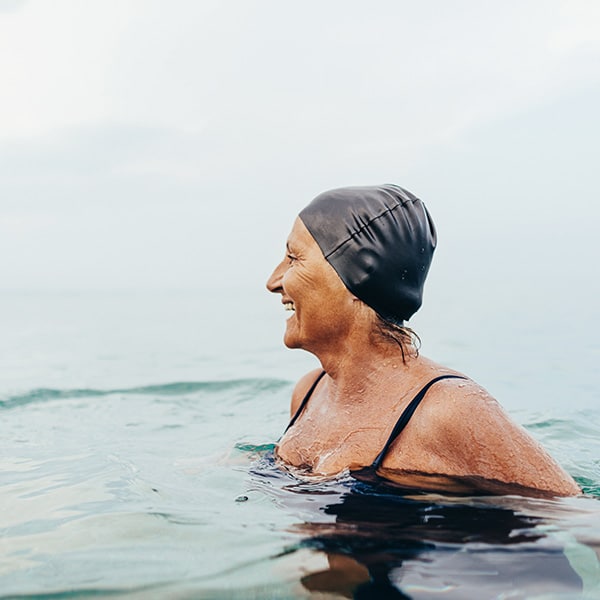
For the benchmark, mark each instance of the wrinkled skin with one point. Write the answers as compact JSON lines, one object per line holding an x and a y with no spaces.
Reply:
{"x":458,"y":440}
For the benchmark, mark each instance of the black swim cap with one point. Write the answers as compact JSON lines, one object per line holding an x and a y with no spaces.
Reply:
{"x":380,"y":240}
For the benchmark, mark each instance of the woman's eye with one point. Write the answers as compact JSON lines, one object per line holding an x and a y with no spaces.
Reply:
{"x":291,"y":257}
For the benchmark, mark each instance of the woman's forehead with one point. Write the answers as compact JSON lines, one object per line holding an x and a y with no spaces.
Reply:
{"x":299,"y":235}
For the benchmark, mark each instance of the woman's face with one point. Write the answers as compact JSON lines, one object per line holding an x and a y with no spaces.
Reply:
{"x":321,"y":306}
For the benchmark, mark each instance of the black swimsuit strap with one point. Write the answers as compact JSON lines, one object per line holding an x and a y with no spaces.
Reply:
{"x":400,"y":424}
{"x":406,"y":415}
{"x":305,"y":399}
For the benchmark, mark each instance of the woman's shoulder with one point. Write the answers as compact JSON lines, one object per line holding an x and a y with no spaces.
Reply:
{"x":302,"y":387}
{"x":456,"y":406}
{"x":454,"y":390}
{"x":464,"y":431}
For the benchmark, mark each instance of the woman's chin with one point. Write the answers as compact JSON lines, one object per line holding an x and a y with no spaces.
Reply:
{"x":290,"y":337}
{"x":291,"y":341}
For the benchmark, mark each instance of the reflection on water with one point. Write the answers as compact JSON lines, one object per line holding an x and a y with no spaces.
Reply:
{"x":131,"y":492}
{"x":382,"y":543}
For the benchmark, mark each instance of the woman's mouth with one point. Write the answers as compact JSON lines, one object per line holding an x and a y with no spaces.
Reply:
{"x":288,"y":306}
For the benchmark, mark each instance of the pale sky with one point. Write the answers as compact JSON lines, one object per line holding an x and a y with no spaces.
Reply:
{"x":147,"y":143}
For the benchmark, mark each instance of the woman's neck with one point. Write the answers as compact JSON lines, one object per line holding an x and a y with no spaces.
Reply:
{"x":365,"y":369}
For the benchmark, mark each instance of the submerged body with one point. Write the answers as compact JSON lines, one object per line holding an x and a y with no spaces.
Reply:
{"x":458,"y":439}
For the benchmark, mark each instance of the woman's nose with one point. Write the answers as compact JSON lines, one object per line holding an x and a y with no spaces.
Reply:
{"x":274,"y":282}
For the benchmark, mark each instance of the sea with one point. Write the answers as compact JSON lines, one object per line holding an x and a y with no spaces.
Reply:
{"x":137,"y":436}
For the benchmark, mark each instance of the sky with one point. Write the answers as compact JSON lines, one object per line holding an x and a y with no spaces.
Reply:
{"x":169,"y":145}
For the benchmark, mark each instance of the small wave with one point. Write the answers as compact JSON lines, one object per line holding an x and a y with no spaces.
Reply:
{"x":581,"y":422}
{"x":181,"y":388}
{"x":258,"y":449}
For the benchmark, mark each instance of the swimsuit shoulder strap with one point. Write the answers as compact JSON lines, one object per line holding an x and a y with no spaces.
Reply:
{"x":406,"y":415}
{"x":305,"y":399}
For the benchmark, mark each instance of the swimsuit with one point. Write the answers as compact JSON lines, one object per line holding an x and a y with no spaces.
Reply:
{"x":398,"y":428}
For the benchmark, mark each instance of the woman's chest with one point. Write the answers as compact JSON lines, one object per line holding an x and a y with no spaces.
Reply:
{"x":328,"y":443}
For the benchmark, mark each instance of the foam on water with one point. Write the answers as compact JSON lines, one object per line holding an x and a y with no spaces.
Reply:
{"x":168,"y":490}
{"x":134,"y":462}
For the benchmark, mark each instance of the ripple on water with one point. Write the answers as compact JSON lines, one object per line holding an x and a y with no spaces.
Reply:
{"x":136,"y":492}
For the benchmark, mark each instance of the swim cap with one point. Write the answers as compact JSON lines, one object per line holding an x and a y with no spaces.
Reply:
{"x":380,"y":240}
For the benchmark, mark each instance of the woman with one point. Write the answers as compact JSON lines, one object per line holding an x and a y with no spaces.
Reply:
{"x":354,"y":271}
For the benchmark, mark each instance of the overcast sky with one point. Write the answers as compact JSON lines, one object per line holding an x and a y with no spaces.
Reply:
{"x":159,"y":144}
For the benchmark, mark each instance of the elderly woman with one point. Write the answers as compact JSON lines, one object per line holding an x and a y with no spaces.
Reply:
{"x":353,"y":272}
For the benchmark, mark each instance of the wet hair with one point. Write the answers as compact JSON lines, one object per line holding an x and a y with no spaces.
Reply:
{"x":407,"y":340}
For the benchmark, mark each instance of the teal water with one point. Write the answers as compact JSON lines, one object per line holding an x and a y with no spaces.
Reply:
{"x":136,"y":436}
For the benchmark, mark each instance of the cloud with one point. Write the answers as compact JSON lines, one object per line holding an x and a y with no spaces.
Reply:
{"x":155,"y":143}
{"x":11,"y":5}
{"x":408,"y":75}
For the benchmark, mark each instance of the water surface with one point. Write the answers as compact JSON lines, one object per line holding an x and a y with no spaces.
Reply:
{"x":137,"y":435}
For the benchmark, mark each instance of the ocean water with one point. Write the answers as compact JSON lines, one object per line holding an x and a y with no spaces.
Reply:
{"x":136,"y":456}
